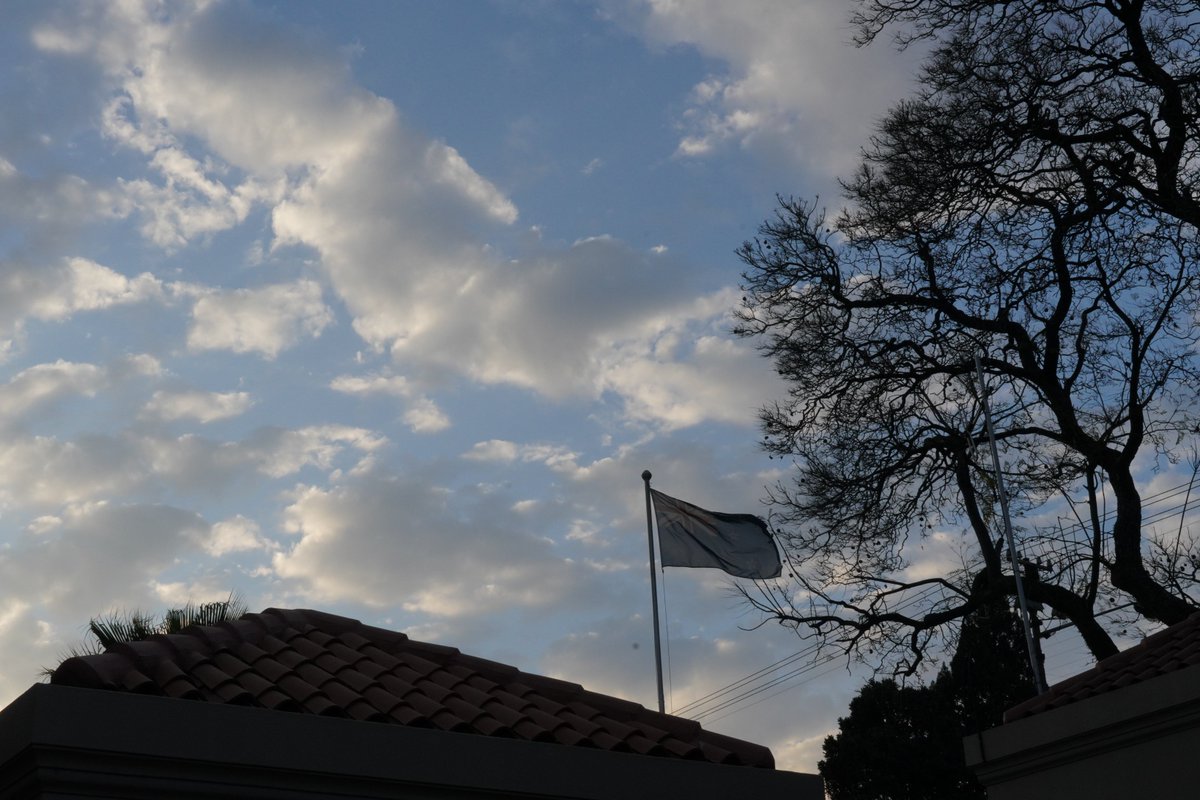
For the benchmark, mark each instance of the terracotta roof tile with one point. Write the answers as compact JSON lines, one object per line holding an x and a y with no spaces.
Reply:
{"x":1171,"y":649}
{"x":318,"y":663}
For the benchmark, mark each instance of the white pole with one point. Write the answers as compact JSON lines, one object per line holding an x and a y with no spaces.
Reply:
{"x":1008,"y":534}
{"x":662,"y":706}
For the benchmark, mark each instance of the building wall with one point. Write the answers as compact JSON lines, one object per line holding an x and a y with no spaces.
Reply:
{"x":1140,"y":742}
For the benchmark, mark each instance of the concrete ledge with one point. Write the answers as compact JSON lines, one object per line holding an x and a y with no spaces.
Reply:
{"x":1133,"y":739}
{"x":71,"y":742}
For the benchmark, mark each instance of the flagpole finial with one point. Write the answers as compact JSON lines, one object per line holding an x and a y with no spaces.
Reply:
{"x":646,"y":475}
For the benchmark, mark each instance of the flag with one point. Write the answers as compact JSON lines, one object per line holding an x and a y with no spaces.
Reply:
{"x":689,"y":536}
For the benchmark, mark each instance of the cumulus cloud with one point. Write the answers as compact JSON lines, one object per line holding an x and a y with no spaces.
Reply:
{"x":422,"y":414}
{"x":392,"y":540}
{"x":196,"y":405}
{"x":265,"y":320}
{"x":400,"y":223}
{"x":47,"y":473}
{"x":59,"y":290}
{"x":37,"y":388}
{"x":234,"y":535}
{"x":794,"y":85}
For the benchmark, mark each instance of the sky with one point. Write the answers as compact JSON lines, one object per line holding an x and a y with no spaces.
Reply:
{"x":381,"y":308}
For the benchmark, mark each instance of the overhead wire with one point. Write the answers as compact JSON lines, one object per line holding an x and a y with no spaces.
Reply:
{"x":706,"y":707}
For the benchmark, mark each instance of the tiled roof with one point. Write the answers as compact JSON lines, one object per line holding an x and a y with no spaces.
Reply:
{"x":1168,"y":650}
{"x":317,"y":663}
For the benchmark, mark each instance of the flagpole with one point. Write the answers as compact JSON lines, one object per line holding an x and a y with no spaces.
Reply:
{"x":662,"y":706}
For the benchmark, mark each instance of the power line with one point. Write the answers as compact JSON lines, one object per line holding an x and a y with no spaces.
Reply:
{"x":704,"y":708}
{"x":696,"y":707}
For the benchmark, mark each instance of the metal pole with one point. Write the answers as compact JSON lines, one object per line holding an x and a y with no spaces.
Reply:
{"x":662,"y":705}
{"x":1008,"y":534}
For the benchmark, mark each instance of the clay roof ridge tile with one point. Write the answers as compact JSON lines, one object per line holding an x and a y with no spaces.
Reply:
{"x":296,"y":687}
{"x":683,"y":749}
{"x":438,"y":652}
{"x":416,"y":662}
{"x":306,"y":617}
{"x":147,"y":651}
{"x":180,"y":643}
{"x":681,"y":727}
{"x":494,"y":670}
{"x":216,"y":637}
{"x":306,"y":646}
{"x":472,"y":695}
{"x":509,"y":716}
{"x":312,"y":673}
{"x":405,"y":714}
{"x":250,"y":653}
{"x":139,"y":683}
{"x":381,"y":636}
{"x":272,"y":644}
{"x":651,"y":732}
{"x":446,"y":680}
{"x":606,"y":741}
{"x":467,"y":711}
{"x":243,"y":628}
{"x":530,"y":730}
{"x":746,"y":752}
{"x":397,"y":686}
{"x":490,"y":726}
{"x":231,"y":663}
{"x":353,"y":640}
{"x":355,"y":679}
{"x":278,"y":701}
{"x":341,"y":694}
{"x":181,"y":687}
{"x":322,"y":706}
{"x":379,"y":656}
{"x":482,"y":684}
{"x":339,"y":649}
{"x":447,"y":720}
{"x":234,"y":693}
{"x":645,"y":746}
{"x":578,"y":723}
{"x":555,"y":686}
{"x":432,"y":690}
{"x":547,"y":721}
{"x":380,"y":698}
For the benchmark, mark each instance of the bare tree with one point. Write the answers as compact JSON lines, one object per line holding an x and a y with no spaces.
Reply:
{"x":1035,"y":205}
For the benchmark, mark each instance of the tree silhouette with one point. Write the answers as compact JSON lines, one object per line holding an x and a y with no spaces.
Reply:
{"x":1035,"y":206}
{"x":905,"y":743}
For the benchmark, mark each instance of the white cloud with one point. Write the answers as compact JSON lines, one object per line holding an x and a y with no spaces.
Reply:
{"x":55,"y":292}
{"x":493,"y":450}
{"x":389,"y":540}
{"x":44,"y":473}
{"x":795,"y":87}
{"x":422,"y":414}
{"x":44,"y":383}
{"x":197,"y":405}
{"x":266,"y":320}
{"x":554,"y":456}
{"x":39,"y":386}
{"x":399,"y":222}
{"x":234,"y":535}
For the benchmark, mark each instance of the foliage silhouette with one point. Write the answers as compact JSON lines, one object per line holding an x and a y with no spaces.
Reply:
{"x":905,"y":743}
{"x":118,"y":627}
{"x":1035,"y":204}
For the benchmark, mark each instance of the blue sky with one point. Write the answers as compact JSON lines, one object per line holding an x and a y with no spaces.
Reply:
{"x":382,"y":308}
